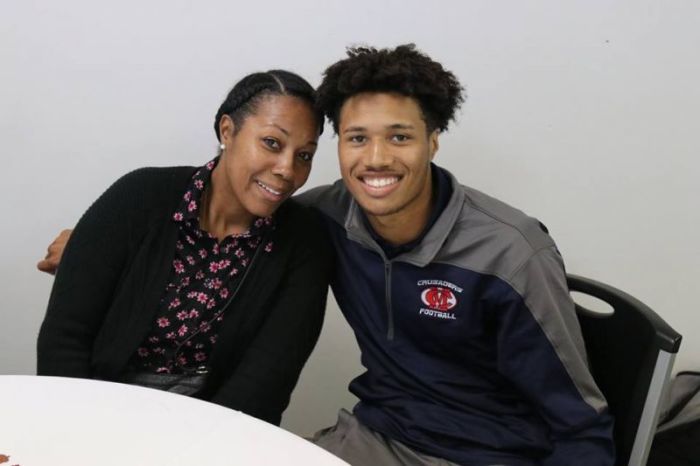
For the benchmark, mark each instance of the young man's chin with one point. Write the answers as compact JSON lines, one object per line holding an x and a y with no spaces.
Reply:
{"x":373,"y":209}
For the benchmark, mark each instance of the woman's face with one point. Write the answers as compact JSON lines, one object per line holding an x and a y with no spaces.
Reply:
{"x":269,"y":157}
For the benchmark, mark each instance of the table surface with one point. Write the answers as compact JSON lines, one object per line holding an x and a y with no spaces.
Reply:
{"x":60,"y":421}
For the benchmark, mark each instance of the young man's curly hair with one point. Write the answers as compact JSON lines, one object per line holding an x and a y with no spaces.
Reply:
{"x":403,"y":70}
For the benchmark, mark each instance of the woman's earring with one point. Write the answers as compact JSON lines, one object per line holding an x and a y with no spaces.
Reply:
{"x":222,"y":146}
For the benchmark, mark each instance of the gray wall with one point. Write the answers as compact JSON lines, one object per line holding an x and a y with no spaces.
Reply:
{"x":582,"y":113}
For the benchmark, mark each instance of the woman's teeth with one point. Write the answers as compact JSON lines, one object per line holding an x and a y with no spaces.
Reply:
{"x":269,"y":189}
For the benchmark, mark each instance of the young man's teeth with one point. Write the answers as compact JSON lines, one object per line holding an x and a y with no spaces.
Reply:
{"x":269,"y":189}
{"x":381,"y":182}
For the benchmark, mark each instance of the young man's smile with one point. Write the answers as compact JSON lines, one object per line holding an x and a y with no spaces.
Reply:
{"x":379,"y":185}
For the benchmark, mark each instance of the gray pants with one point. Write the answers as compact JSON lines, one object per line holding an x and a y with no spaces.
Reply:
{"x":358,"y":445}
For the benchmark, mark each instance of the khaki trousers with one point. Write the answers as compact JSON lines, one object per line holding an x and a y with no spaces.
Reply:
{"x":360,"y":446}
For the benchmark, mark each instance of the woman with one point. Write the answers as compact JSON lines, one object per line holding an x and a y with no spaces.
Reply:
{"x":202,"y":281}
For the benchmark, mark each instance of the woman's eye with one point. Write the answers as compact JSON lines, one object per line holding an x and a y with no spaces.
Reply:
{"x":357,"y":139}
{"x":306,"y":156}
{"x":271,"y":143}
{"x":400,"y":138}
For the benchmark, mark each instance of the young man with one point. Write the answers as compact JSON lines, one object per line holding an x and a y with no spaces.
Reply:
{"x":458,"y":301}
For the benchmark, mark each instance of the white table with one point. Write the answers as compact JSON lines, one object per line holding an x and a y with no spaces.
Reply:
{"x":56,"y":421}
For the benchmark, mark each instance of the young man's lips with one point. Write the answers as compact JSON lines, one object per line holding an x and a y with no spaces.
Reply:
{"x":379,"y":185}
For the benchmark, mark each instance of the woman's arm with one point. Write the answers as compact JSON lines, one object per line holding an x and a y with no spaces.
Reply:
{"x":263,"y":381}
{"x":91,"y":266}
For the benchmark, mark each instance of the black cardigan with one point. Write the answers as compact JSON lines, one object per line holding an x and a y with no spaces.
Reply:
{"x":115,"y":268}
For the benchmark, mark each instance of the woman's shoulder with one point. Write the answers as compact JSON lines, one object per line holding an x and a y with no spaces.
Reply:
{"x":296,"y":220}
{"x":149,"y":177}
{"x":297,"y":216}
{"x":302,"y":225}
{"x":149,"y":185}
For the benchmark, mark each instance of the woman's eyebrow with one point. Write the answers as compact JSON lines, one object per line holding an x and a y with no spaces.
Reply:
{"x":278,"y":127}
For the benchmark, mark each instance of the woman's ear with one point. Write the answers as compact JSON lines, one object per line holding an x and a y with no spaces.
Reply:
{"x":226,"y":130}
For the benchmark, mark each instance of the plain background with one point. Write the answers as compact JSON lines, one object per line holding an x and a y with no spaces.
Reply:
{"x":584,"y":114}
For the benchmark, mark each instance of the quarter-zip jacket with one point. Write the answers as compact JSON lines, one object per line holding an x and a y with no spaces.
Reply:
{"x":115,"y":268}
{"x":470,"y":340}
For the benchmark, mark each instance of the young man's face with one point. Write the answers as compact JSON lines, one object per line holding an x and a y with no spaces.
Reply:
{"x":385,"y":151}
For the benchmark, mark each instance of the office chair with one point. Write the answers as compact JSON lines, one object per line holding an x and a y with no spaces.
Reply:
{"x":630,"y":353}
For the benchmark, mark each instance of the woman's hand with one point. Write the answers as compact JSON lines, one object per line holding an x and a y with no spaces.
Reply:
{"x":54,"y":252}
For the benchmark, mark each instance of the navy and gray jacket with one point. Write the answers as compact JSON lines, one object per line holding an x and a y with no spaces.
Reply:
{"x":470,"y":339}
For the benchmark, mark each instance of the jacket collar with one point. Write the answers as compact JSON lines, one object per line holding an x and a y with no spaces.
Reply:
{"x":426,"y":250}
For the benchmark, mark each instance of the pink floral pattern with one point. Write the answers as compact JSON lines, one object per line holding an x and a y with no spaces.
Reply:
{"x":202,"y":281}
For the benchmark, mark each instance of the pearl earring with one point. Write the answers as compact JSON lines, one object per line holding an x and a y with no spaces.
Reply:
{"x":222,"y":146}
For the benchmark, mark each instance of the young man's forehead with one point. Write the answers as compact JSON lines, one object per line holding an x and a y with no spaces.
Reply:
{"x":384,"y":109}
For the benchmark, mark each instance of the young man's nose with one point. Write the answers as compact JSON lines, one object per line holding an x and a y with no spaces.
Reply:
{"x":378,"y":154}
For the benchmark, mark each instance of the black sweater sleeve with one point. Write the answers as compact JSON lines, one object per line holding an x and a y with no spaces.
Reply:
{"x":262,"y":383}
{"x":86,"y":280}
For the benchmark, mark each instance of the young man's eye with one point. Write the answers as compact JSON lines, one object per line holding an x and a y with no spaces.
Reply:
{"x":400,"y":138}
{"x":272,"y":143}
{"x":306,"y":156}
{"x":357,"y":139}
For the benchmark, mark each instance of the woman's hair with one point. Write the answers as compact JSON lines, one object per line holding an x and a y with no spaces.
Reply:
{"x":243,"y":99}
{"x":403,"y":70}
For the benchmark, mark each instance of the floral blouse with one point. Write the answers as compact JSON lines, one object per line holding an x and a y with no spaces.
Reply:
{"x":205,"y":274}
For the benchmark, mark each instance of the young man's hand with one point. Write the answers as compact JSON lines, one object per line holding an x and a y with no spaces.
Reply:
{"x":54,"y":252}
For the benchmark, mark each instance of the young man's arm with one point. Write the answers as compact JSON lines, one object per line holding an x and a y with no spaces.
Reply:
{"x":54,"y":252}
{"x":541,"y":351}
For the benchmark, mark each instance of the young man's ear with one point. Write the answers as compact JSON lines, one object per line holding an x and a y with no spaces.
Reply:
{"x":433,"y":140}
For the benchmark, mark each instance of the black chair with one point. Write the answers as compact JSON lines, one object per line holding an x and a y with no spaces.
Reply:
{"x":630,"y":353}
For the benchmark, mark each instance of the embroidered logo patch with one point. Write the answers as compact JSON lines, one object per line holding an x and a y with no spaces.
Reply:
{"x":439,"y":297}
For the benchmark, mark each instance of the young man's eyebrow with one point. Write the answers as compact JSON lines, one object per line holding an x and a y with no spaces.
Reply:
{"x":401,"y":126}
{"x":354,"y":129}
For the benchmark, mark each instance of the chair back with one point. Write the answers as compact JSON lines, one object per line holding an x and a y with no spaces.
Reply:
{"x":630,"y":353}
